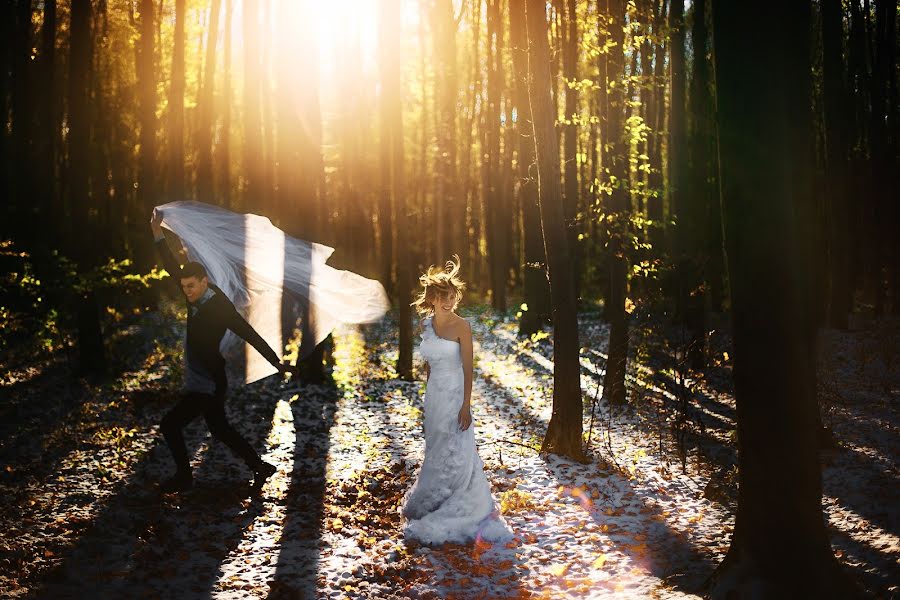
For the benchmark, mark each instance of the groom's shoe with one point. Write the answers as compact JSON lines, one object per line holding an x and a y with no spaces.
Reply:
{"x":179,"y":482}
{"x":261,"y":474}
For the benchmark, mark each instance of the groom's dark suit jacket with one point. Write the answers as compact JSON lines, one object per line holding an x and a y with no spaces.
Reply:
{"x":207,"y":324}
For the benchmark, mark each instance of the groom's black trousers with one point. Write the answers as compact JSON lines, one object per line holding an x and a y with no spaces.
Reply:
{"x":212,"y":407}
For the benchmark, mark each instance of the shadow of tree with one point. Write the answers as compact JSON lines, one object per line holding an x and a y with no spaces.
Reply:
{"x":300,"y":544}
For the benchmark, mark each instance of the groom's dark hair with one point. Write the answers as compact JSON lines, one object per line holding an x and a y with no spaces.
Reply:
{"x":192,"y":269}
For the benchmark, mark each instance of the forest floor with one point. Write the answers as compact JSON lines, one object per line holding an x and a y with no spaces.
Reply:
{"x":81,"y":460}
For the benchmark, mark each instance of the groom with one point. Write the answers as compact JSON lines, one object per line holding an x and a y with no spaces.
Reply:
{"x":210,"y":313}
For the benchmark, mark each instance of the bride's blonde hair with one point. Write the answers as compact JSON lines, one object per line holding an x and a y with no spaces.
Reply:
{"x":438,"y":283}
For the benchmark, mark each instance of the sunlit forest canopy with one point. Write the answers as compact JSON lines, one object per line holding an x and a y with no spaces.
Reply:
{"x":277,"y":107}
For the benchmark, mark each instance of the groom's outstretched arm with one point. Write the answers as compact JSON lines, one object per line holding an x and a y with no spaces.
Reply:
{"x":236,"y":323}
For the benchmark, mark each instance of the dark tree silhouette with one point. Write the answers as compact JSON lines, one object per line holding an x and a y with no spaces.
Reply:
{"x":835,"y":108}
{"x":616,"y":161}
{"x":206,"y":110}
{"x":392,"y":140}
{"x":223,"y":148}
{"x":564,"y":431}
{"x":448,"y":209}
{"x":492,"y":196}
{"x":780,"y":546}
{"x":536,"y":290}
{"x":47,"y":123}
{"x":146,"y":76}
{"x":571,"y":199}
{"x":254,"y":192}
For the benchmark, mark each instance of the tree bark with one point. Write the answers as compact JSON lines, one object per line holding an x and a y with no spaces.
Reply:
{"x":617,"y":218}
{"x":536,"y":294}
{"x":780,"y":546}
{"x":206,"y":109}
{"x":656,"y":110}
{"x":48,"y":126}
{"x":176,"y":108}
{"x":392,"y":131}
{"x":450,"y":212}
{"x":90,"y":339}
{"x":677,"y":136}
{"x":571,"y":200}
{"x":836,"y":161}
{"x":253,"y":195}
{"x":147,"y":178}
{"x":22,"y":122}
{"x":492,"y":194}
{"x":78,"y":120}
{"x":223,"y":148}
{"x":695,"y":256}
{"x":564,"y":431}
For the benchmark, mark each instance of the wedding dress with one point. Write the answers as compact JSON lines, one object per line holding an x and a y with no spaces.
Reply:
{"x":451,"y":499}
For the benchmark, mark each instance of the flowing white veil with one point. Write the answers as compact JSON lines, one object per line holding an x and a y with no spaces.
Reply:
{"x":274,"y":280}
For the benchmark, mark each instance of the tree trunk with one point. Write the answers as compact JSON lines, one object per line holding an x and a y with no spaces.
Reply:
{"x":492,"y":194}
{"x":80,"y":128}
{"x":392,"y":131}
{"x":617,"y":218}
{"x":472,"y":234}
{"x":90,"y":339}
{"x":780,"y":546}
{"x":253,"y":195}
{"x":223,"y":148}
{"x":571,"y":200}
{"x":677,"y":137}
{"x":882,"y":114}
{"x":7,"y":29}
{"x":692,"y":228}
{"x":48,"y":127}
{"x":564,"y":431}
{"x":536,"y":294}
{"x":206,"y":109}
{"x":22,"y":122}
{"x":176,"y":108}
{"x":352,"y":132}
{"x":450,"y":212}
{"x":656,"y":111}
{"x":836,"y":161}
{"x":386,"y":217}
{"x":147,"y":179}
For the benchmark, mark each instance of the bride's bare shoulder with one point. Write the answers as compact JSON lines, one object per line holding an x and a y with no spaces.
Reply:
{"x":461,"y":326}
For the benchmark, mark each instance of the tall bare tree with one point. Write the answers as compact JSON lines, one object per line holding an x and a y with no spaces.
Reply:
{"x":206,"y":109}
{"x":780,"y":545}
{"x":616,"y":214}
{"x":493,"y":198}
{"x":252,"y":115}
{"x":146,"y":76}
{"x":450,"y":213}
{"x":389,"y":65}
{"x":176,"y":108}
{"x":564,"y":431}
{"x":536,"y":292}
{"x":47,"y":122}
{"x":570,"y":130}
{"x":223,"y":148}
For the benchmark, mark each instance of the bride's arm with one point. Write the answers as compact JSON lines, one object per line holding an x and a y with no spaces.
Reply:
{"x":465,"y":345}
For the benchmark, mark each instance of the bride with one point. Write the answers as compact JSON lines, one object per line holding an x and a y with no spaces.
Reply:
{"x":450,"y":500}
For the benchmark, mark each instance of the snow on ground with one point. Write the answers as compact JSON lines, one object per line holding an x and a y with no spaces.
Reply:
{"x":632,"y":523}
